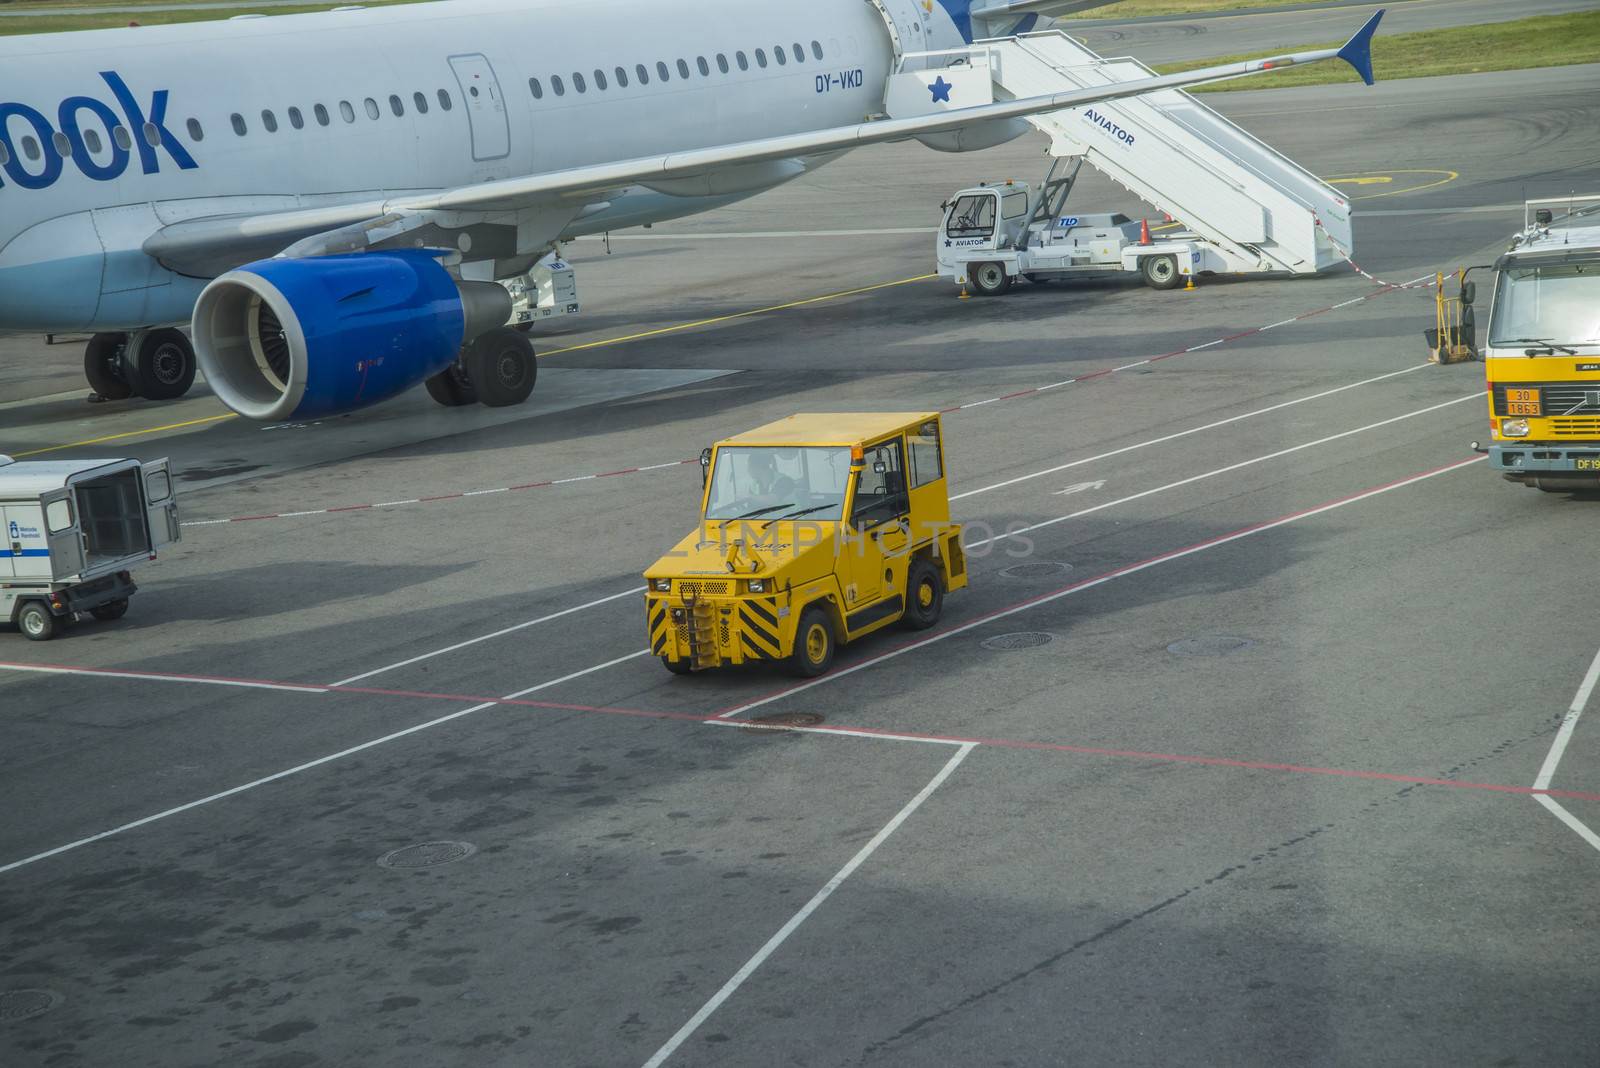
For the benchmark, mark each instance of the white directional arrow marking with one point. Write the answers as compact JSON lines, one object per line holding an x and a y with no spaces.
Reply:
{"x":1081,"y":487}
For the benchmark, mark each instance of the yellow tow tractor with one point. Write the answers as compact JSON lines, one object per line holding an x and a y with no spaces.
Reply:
{"x":815,"y":530}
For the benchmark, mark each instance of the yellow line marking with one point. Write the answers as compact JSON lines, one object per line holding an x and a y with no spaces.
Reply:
{"x":128,"y":434}
{"x":1382,"y":179}
{"x":735,"y":315}
{"x":1449,"y":176}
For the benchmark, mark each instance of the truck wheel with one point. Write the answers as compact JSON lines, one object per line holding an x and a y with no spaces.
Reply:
{"x":163,"y":367}
{"x":1160,"y":272}
{"x":102,"y":366}
{"x":813,"y":644}
{"x":111,"y":610}
{"x":451,"y":387}
{"x":677,"y":667}
{"x":36,"y":622}
{"x":989,"y":279}
{"x":502,"y":367}
{"x":924,"y":596}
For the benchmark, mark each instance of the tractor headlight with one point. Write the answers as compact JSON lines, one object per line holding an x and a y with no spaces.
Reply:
{"x":758,"y":586}
{"x":661,"y":585}
{"x":1514,"y":428}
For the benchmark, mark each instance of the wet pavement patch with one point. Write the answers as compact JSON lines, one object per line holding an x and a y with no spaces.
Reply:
{"x":1035,"y":570}
{"x":783,"y":720}
{"x":1209,"y":645}
{"x":1022,"y":639}
{"x":26,"y":1004}
{"x":426,"y":855}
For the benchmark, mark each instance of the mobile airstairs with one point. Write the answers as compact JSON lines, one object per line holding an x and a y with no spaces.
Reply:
{"x":1253,"y":209}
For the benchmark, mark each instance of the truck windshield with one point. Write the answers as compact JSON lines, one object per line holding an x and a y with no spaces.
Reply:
{"x":1559,"y":303}
{"x":972,"y":216}
{"x":776,"y":482}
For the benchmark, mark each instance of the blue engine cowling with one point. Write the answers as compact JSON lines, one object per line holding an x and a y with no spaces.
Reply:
{"x":298,"y":338}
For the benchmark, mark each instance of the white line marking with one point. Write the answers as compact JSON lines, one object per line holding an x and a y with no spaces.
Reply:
{"x":1219,"y":471}
{"x":307,"y":766}
{"x":191,"y":679}
{"x":811,"y":906}
{"x":1569,"y":819}
{"x":884,"y":232}
{"x":486,"y":637}
{"x":1558,"y":749}
{"x":1186,"y":433}
{"x":1281,"y":322}
{"x":839,"y":673}
{"x":843,"y":732}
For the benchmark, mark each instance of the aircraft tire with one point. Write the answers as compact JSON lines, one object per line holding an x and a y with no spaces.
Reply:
{"x":451,"y":388}
{"x":163,"y":366}
{"x":502,"y":367}
{"x":102,"y":366}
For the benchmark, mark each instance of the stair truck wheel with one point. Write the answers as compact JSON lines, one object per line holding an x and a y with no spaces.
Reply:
{"x":102,"y":366}
{"x":989,"y":279}
{"x":162,"y":366}
{"x":502,"y":367}
{"x":451,"y":387}
{"x":1160,"y":272}
{"x":36,"y":622}
{"x":813,"y":644}
{"x":111,"y":610}
{"x":924,"y":596}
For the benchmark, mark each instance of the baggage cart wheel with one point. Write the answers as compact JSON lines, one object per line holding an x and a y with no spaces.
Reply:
{"x":102,"y":366}
{"x":502,"y":367}
{"x":451,"y":387}
{"x":36,"y":622}
{"x":924,"y":597}
{"x":989,"y":279}
{"x":677,"y":667}
{"x":110,"y":610}
{"x":813,"y":644}
{"x":1160,"y":272}
{"x":163,"y":367}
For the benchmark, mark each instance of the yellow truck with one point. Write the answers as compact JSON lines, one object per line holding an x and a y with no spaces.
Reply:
{"x":815,"y":531}
{"x":1542,"y":361}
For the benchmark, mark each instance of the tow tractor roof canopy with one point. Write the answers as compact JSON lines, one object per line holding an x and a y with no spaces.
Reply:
{"x":829,"y":428}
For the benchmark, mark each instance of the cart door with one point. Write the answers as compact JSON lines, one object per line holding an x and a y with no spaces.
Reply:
{"x":161,"y":504}
{"x":63,"y":536}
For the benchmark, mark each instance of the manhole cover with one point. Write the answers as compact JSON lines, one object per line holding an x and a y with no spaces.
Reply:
{"x":1035,"y":570}
{"x":1022,"y":639}
{"x":427,"y":855}
{"x":784,"y":719}
{"x":1209,"y":645}
{"x":21,"y":1004}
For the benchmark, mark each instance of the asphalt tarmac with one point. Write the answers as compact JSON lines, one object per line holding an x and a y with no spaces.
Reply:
{"x":1249,"y":776}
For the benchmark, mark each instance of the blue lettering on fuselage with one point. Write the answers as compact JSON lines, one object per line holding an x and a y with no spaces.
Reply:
{"x":844,"y":79}
{"x":144,"y":130}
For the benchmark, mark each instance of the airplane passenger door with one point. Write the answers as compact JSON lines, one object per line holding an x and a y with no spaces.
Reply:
{"x":485,"y":104}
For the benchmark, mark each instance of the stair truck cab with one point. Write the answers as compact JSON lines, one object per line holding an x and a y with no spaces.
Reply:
{"x":815,"y":530}
{"x":1542,"y":359}
{"x":73,"y":530}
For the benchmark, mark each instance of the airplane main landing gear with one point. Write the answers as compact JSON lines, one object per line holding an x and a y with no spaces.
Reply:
{"x":497,"y":369}
{"x":153,"y":364}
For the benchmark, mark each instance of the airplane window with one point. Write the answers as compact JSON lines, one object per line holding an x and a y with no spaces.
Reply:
{"x":761,"y":58}
{"x":420,"y":102}
{"x":600,"y":80}
{"x":124,"y":139}
{"x":779,"y":55}
{"x":238,"y":127}
{"x":744,"y":63}
{"x":578,"y":83}
{"x":705,"y":68}
{"x":270,"y":121}
{"x":152,"y":135}
{"x":557,"y":85}
{"x":535,"y":88}
{"x":622,"y":77}
{"x":91,"y":139}
{"x":722,"y":63}
{"x":833,"y":45}
{"x":816,"y":49}
{"x":683,"y":68}
{"x":5,"y":154}
{"x":196,"y":131}
{"x":296,"y":119}
{"x":372,"y":108}
{"x":444,"y":100}
{"x":30,"y":148}
{"x":396,"y":106}
{"x":62,"y":143}
{"x":642,"y":73}
{"x":347,"y":112}
{"x":321,"y":113}
{"x":799,"y":53}
{"x":661,"y":71}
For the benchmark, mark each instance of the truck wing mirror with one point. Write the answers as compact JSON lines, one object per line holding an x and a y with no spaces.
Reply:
{"x":705,"y":467}
{"x":1469,"y":292}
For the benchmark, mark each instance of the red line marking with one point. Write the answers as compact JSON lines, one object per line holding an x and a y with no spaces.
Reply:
{"x":525,"y":486}
{"x":351,"y":508}
{"x":1309,"y":314}
{"x":624,"y":471}
{"x":250,"y":518}
{"x":1018,"y":393}
{"x":1247,"y":333}
{"x":441,"y":497}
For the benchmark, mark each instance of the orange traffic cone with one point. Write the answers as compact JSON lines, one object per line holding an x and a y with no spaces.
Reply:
{"x":1144,"y":231}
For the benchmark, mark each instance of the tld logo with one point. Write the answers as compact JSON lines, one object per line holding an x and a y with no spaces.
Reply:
{"x":134,"y":129}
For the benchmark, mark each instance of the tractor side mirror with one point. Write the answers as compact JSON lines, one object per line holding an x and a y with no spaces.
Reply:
{"x":1469,"y":292}
{"x":705,"y":467}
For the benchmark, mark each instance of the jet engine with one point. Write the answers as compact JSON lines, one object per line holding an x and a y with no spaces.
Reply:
{"x":300,"y":338}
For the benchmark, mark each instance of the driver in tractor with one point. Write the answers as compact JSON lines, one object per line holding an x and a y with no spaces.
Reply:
{"x":772,"y":487}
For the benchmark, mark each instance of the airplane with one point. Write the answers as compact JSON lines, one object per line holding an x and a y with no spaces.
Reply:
{"x":329,"y":200}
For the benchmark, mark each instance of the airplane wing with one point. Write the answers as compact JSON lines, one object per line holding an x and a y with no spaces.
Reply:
{"x":199,"y":246}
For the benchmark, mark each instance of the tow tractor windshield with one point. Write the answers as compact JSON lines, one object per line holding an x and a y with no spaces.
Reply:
{"x":1555,"y":305}
{"x":779,"y":482}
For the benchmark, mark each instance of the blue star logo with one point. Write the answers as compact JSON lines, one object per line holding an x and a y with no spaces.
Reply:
{"x":940,"y":90}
